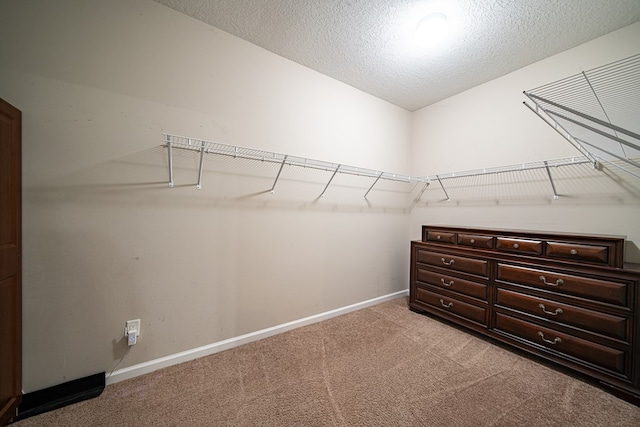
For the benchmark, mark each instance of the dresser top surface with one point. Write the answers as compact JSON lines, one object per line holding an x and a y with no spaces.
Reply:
{"x":522,"y":232}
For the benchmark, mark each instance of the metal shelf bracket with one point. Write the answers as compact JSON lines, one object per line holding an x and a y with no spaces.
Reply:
{"x":419,"y":196}
{"x":273,"y":187}
{"x":330,"y":179}
{"x":199,"y":184}
{"x":372,"y":185}
{"x":553,"y":186}
{"x":170,"y":160}
{"x":548,"y":119}
{"x":443,"y":189}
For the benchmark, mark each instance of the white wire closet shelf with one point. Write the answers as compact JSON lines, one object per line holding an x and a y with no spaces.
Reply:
{"x":215,"y":148}
{"x":597,"y":111}
{"x":207,"y":148}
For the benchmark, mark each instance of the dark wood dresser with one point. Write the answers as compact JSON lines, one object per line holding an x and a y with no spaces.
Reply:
{"x":564,"y":297}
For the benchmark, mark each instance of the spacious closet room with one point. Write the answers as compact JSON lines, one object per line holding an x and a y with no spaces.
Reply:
{"x":317,"y":212}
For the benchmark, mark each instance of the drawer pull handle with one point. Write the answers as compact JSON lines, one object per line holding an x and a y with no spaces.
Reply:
{"x":445,"y":283}
{"x":472,"y":241}
{"x":447,"y":263}
{"x":438,"y":237}
{"x":553,"y":313}
{"x":573,"y":252}
{"x":555,"y":341}
{"x":516,"y":246}
{"x":544,"y":280}
{"x":448,"y":305}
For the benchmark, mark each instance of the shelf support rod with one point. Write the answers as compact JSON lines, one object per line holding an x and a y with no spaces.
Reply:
{"x":593,"y":90}
{"x":199,"y":184}
{"x":374,"y":183}
{"x":553,"y":185}
{"x":443,"y":189}
{"x":170,"y":159}
{"x":330,"y":179}
{"x":558,"y":127}
{"x":624,"y":159}
{"x":273,"y":187}
{"x":598,"y":131}
{"x":419,"y":196}
{"x":588,"y":117}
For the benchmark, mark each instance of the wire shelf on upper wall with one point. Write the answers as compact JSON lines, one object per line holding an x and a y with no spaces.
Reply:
{"x":214,"y":148}
{"x":597,"y":111}
{"x":199,"y":149}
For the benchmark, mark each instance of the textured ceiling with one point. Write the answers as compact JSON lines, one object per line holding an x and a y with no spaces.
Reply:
{"x":368,"y":44}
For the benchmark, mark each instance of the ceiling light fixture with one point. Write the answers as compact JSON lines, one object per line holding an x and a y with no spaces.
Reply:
{"x":431,"y":30}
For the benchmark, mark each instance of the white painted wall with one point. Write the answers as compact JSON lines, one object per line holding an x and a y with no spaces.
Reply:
{"x":105,"y":239}
{"x":488,"y":126}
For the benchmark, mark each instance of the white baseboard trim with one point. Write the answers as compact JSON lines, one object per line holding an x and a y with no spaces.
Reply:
{"x":185,"y":356}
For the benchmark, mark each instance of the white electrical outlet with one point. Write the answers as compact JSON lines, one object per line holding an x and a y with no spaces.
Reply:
{"x":132,"y":325}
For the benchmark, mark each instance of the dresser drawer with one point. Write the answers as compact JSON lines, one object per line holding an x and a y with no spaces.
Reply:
{"x":520,"y":246}
{"x":467,"y":287}
{"x":452,"y":305}
{"x":454,"y":262}
{"x":476,"y":241}
{"x":599,"y":290}
{"x":573,"y":251}
{"x":605,"y":324}
{"x":441,"y":237}
{"x":608,"y":358}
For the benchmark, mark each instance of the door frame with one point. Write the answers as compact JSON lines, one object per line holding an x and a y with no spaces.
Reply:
{"x":13,"y":257}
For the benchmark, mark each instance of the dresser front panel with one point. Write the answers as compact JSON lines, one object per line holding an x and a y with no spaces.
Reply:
{"x":478,"y":267}
{"x":597,"y":250}
{"x":452,"y":283}
{"x":578,"y":252}
{"x":441,"y":237}
{"x":476,"y":241}
{"x":617,"y":327}
{"x":606,"y":291}
{"x":453,"y":306}
{"x":519,"y":246}
{"x":537,"y":336}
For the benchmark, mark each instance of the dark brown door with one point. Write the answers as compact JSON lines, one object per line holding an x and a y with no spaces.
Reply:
{"x":10,"y":261}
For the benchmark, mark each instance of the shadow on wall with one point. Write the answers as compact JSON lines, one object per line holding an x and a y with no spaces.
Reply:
{"x":227,"y":182}
{"x":631,"y":250}
{"x":142,"y":178}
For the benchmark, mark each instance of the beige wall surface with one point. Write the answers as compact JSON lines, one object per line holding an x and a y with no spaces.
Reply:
{"x":106,"y":240}
{"x":488,"y":126}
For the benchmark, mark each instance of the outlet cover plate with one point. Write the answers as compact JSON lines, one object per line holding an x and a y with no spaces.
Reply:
{"x":131,"y":325}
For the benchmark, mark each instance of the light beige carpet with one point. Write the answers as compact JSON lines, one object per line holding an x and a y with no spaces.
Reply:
{"x":380,"y":366}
